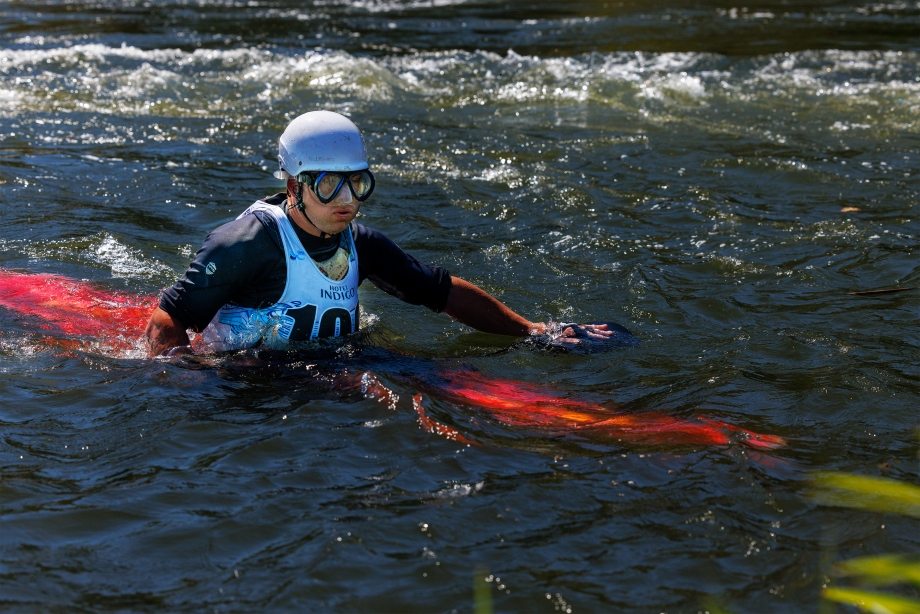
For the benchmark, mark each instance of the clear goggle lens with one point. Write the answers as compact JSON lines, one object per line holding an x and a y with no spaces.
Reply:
{"x":326,"y":185}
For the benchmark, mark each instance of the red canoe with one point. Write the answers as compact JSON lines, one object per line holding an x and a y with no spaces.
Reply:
{"x":75,"y":314}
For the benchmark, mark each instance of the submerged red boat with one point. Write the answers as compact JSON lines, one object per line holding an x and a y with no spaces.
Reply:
{"x":74,"y":314}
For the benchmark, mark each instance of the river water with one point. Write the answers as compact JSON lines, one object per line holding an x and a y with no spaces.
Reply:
{"x":716,"y":177}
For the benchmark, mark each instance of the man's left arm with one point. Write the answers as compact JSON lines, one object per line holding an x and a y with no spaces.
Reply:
{"x":471,"y":305}
{"x":399,"y":274}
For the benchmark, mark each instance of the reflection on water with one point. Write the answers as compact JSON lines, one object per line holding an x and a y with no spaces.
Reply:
{"x":718,"y":178}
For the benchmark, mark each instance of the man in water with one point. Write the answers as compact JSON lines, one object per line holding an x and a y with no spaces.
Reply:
{"x":288,"y":268}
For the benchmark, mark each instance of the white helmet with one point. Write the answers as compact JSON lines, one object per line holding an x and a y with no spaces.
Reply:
{"x":320,"y":141}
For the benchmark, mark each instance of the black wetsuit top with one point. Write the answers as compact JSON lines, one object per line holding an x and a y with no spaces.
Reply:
{"x":243,"y":263}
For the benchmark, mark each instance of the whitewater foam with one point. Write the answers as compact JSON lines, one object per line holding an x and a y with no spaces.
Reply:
{"x":250,"y":82}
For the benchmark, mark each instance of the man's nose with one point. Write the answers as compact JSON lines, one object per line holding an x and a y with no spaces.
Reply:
{"x":344,"y":196}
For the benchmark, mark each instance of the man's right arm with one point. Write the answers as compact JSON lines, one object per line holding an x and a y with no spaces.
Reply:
{"x":164,"y":333}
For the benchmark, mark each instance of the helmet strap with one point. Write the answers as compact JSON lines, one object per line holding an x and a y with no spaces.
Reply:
{"x":297,"y":192}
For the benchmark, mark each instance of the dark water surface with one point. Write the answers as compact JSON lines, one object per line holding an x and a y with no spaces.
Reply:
{"x":716,"y":177}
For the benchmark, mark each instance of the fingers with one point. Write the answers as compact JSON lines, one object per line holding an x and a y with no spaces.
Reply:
{"x":585,"y":331}
{"x":568,"y":340}
{"x":583,"y":338}
{"x":598,"y":331}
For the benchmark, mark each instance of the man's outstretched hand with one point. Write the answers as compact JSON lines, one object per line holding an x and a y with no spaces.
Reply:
{"x":574,"y":333}
{"x":590,"y":337}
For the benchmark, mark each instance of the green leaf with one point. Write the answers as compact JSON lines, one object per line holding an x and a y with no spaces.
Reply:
{"x":866,"y":493}
{"x":876,"y":603}
{"x":713,"y":606}
{"x":482,"y":592}
{"x":882,"y":570}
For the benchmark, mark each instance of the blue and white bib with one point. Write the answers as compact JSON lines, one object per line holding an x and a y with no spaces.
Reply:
{"x":311,"y":306}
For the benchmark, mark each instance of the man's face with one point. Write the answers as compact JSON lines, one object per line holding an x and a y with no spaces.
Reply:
{"x":332,"y":217}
